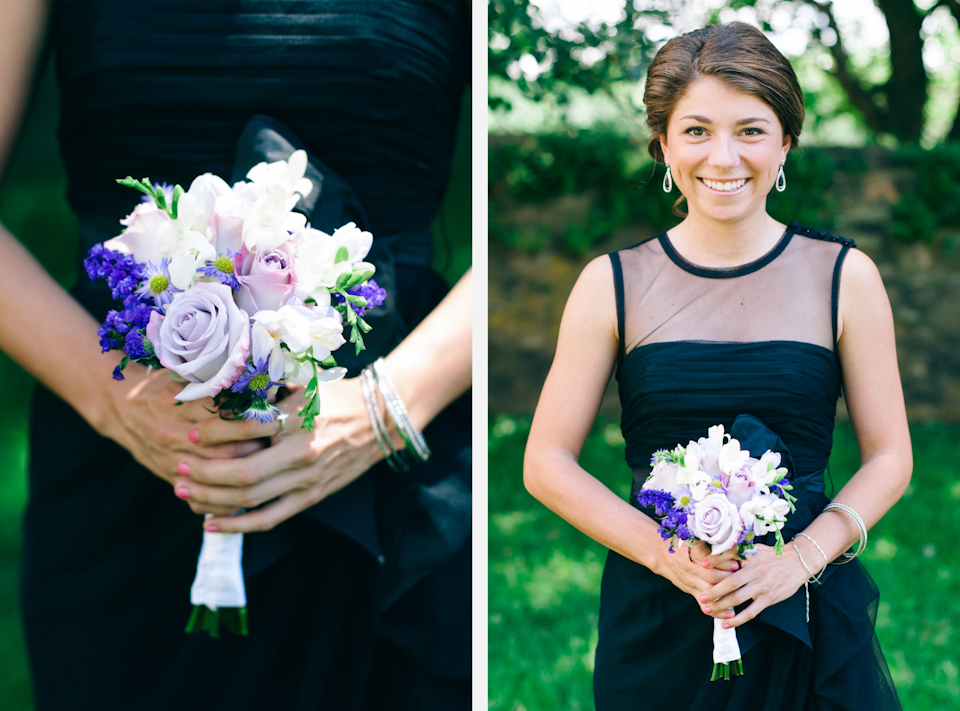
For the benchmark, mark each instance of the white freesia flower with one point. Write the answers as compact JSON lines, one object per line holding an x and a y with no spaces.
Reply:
{"x":765,"y":512}
{"x":304,"y":330}
{"x":768,"y":470}
{"x":287,"y":174}
{"x":205,"y":190}
{"x":732,"y":458}
{"x":187,"y":247}
{"x":316,"y":267}
{"x":269,"y":221}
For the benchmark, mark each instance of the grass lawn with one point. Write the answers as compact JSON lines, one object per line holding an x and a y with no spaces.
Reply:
{"x":545,"y":575}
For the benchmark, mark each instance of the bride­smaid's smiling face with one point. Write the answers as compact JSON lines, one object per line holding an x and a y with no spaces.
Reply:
{"x":723,"y":148}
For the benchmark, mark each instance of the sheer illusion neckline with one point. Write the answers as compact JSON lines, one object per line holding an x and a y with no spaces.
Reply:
{"x":724,"y":272}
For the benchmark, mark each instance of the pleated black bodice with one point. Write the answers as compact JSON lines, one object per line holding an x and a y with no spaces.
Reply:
{"x":165,"y":89}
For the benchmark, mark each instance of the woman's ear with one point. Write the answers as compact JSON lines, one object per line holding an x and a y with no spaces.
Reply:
{"x":663,"y":150}
{"x":787,"y":142}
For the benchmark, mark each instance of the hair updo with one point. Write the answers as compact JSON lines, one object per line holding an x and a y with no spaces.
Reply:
{"x":739,"y":55}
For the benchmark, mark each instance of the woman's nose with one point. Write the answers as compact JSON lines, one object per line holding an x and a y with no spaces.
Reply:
{"x":724,"y":154}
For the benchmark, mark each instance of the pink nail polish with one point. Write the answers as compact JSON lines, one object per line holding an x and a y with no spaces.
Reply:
{"x":734,"y":567}
{"x":211,"y":529}
{"x":706,"y":610}
{"x":703,"y":599}
{"x":183,"y":492}
{"x":194,"y":436}
{"x":183,"y":469}
{"x":725,"y":626}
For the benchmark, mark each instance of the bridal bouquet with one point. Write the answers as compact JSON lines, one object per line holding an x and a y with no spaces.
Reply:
{"x":233,"y":292}
{"x":715,"y":492}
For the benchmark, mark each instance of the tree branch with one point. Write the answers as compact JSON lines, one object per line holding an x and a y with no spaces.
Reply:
{"x":860,"y":97}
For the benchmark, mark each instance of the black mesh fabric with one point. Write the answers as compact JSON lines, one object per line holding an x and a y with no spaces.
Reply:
{"x":699,"y":347}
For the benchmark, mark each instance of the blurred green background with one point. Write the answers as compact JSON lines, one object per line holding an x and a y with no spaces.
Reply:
{"x":570,"y":179}
{"x":32,"y":207}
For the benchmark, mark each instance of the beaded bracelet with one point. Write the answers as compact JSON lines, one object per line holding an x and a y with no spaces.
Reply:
{"x":377,"y":423}
{"x":848,"y":556}
{"x":412,"y":437}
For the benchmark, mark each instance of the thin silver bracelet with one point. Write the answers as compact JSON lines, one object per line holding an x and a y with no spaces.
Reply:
{"x":817,"y":545}
{"x":377,"y":423}
{"x":848,"y":556}
{"x":814,"y":577}
{"x":806,"y":583}
{"x":412,"y":437}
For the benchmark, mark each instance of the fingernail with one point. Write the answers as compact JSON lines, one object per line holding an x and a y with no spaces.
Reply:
{"x":703,"y":599}
{"x":706,"y":610}
{"x":725,"y":626}
{"x":211,"y":529}
{"x":183,"y":492}
{"x":705,"y":563}
{"x":183,"y":469}
{"x":194,"y":436}
{"x":734,"y":567}
{"x":729,"y":615}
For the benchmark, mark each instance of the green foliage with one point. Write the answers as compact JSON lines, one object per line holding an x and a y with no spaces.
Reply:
{"x":623,"y":186}
{"x":545,"y":576}
{"x":935,"y":201}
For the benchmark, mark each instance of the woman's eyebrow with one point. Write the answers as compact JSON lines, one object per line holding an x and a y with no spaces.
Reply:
{"x":704,"y":119}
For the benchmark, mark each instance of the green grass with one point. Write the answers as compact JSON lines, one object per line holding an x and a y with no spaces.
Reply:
{"x":545,"y":575}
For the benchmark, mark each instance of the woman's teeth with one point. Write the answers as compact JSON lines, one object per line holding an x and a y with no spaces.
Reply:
{"x":724,"y":186}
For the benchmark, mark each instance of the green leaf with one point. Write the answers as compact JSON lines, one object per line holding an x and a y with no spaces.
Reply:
{"x":343,"y":255}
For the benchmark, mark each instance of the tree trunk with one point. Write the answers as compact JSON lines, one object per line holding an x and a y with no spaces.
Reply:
{"x":906,"y":91}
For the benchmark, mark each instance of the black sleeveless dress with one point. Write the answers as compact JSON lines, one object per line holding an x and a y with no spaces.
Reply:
{"x":700,"y":347}
{"x":363,"y":601}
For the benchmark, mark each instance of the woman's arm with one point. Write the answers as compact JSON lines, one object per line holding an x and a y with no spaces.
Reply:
{"x":430,"y":368}
{"x":50,"y":335}
{"x":586,"y":353}
{"x":875,"y":401}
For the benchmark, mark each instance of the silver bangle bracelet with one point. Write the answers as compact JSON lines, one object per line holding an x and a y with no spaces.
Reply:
{"x":848,"y":556}
{"x":377,"y":423}
{"x":814,"y":577}
{"x":817,"y":545}
{"x":412,"y":437}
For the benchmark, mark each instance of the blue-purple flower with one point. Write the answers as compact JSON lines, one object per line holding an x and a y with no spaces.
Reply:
{"x":156,"y":283}
{"x":122,"y":272}
{"x":261,"y":411}
{"x":223,"y":268}
{"x":256,"y":379}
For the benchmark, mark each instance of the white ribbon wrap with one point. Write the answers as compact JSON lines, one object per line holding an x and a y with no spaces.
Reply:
{"x":725,"y":646}
{"x":219,"y":581}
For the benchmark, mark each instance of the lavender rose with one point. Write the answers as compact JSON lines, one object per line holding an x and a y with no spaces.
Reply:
{"x":716,"y":521}
{"x":266,"y":278}
{"x":204,"y":338}
{"x":741,"y":485}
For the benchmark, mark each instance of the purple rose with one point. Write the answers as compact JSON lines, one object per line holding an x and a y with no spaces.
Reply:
{"x":204,"y":338}
{"x":266,"y":278}
{"x":716,"y":521}
{"x":740,"y":486}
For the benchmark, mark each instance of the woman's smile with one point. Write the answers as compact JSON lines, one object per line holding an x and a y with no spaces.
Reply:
{"x":724,"y":186}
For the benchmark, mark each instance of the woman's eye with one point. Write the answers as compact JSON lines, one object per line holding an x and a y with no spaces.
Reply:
{"x":753,"y":132}
{"x":695,"y":131}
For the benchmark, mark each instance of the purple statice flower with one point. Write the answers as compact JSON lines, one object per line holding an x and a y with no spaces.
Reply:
{"x":135,"y":346}
{"x":223,"y":268}
{"x":661,"y":501}
{"x":368,"y":290}
{"x":256,"y":379}
{"x":156,"y":284}
{"x":683,"y":533}
{"x":122,"y":272}
{"x":113,"y":331}
{"x":261,"y":411}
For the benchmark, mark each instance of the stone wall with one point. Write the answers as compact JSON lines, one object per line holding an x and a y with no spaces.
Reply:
{"x":528,"y":289}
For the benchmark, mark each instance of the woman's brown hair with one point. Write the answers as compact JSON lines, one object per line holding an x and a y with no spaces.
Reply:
{"x":737,"y":54}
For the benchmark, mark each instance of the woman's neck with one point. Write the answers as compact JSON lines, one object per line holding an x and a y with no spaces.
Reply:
{"x":708,"y":243}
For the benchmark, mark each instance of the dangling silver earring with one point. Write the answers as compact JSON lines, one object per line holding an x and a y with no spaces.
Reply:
{"x":781,"y":180}
{"x":667,"y":181}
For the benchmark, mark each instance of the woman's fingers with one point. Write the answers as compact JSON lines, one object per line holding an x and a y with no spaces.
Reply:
{"x":217,"y":431}
{"x":263,"y":519}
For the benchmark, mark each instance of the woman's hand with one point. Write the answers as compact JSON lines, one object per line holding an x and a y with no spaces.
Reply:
{"x":766,"y":578}
{"x":692,"y":569}
{"x":299,"y":468}
{"x":145,"y":419}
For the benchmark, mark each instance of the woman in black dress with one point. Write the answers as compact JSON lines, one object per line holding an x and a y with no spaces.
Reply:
{"x":358,"y":578}
{"x":730,"y":313}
